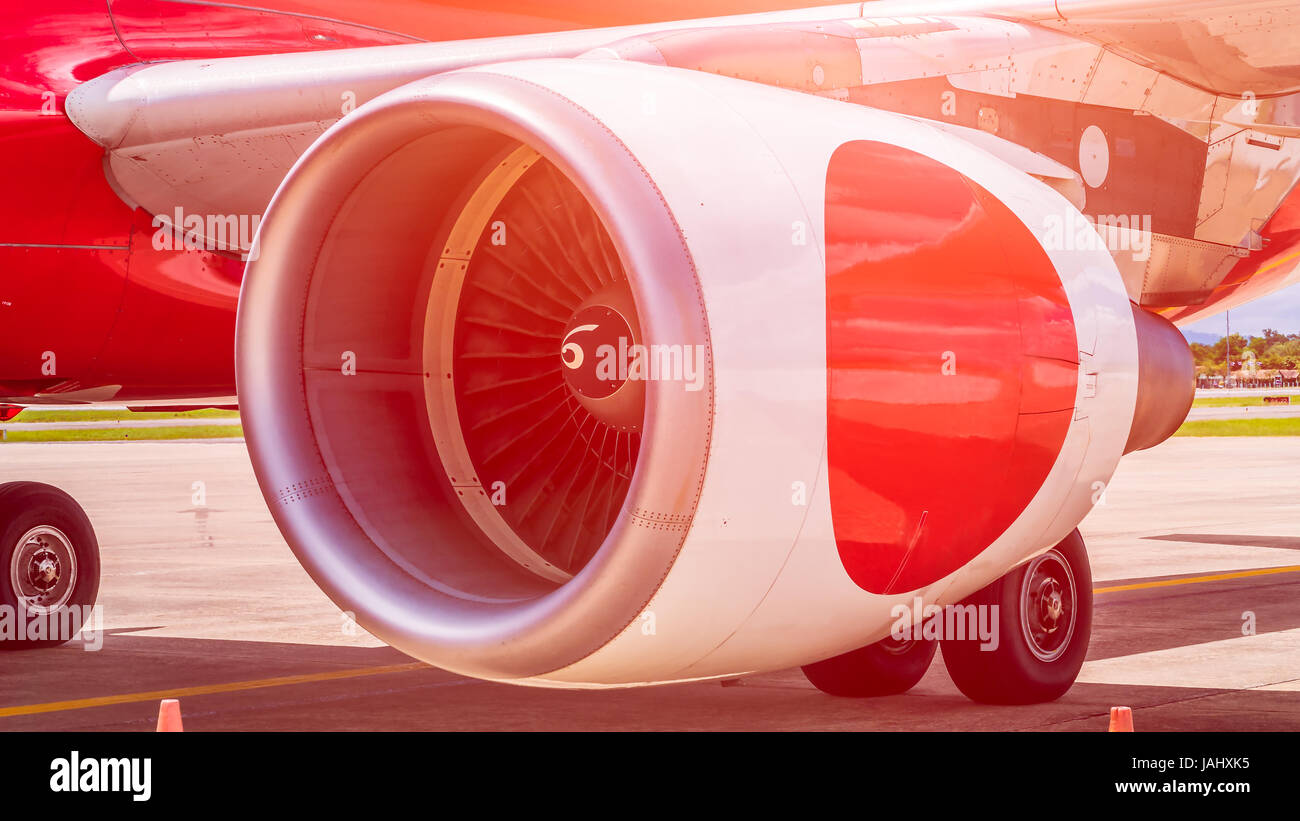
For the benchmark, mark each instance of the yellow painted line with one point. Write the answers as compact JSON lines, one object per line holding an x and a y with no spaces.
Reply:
{"x":1218,"y":577}
{"x":1273,"y":265}
{"x":336,"y":675}
{"x":207,"y":689}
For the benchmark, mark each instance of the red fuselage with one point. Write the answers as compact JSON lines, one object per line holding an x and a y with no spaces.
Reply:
{"x":89,"y":309}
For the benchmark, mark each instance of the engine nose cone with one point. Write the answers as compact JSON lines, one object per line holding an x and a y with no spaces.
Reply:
{"x":595,"y":351}
{"x":601,"y":355}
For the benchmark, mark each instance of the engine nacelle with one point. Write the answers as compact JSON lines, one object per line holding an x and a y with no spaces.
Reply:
{"x":588,"y":373}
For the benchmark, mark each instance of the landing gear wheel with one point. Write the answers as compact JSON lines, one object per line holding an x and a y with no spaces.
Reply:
{"x":49,"y":558}
{"x":1044,"y":621}
{"x":886,"y":668}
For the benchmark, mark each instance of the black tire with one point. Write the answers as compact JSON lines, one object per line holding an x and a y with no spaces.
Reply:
{"x":886,"y":668}
{"x":31,"y":506}
{"x":1031,"y":663}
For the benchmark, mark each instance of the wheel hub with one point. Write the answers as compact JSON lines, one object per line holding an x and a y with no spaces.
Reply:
{"x":43,"y":569}
{"x":1047,"y":605}
{"x":1051,"y":605}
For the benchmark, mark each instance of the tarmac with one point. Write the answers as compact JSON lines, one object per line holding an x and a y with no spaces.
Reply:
{"x":1195,"y":546}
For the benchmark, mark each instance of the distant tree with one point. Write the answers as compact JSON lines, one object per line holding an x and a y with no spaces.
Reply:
{"x":1273,"y":350}
{"x":1272,"y":337}
{"x":1288,"y":352}
{"x":1238,"y":343}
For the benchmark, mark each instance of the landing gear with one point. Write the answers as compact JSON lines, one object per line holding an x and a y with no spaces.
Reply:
{"x":49,"y":558}
{"x":886,"y":668}
{"x":1044,"y":621}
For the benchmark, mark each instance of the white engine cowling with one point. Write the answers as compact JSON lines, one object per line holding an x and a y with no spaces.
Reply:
{"x":863,"y":378}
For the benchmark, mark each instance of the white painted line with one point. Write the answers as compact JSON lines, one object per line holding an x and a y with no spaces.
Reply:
{"x":1267,"y":661}
{"x":109,"y":424}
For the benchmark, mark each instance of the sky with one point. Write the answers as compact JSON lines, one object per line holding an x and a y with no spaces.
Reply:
{"x":1279,"y":311}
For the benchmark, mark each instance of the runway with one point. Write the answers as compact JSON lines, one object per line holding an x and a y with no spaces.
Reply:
{"x":203,"y":600}
{"x":1246,"y":412}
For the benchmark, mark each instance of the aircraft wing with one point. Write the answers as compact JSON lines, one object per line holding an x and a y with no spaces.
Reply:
{"x":217,"y":136}
{"x":1226,"y":47}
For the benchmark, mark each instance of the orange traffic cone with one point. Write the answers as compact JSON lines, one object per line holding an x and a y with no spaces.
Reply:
{"x":169,"y":716}
{"x":1121,"y":720}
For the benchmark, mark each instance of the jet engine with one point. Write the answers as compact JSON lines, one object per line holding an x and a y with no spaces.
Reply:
{"x":593,"y":373}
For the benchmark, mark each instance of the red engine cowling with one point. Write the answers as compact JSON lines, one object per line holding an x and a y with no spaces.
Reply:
{"x":584,"y":373}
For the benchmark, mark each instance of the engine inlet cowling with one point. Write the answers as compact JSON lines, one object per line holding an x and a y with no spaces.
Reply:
{"x":455,"y":490}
